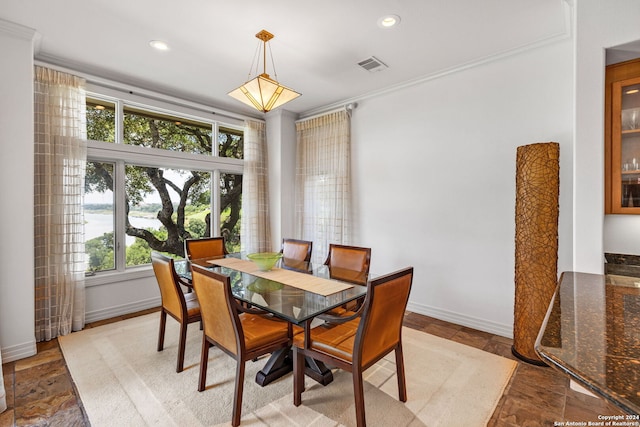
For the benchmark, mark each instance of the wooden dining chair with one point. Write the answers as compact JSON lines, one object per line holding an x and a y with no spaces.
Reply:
{"x":358,"y":342}
{"x":182,"y":307}
{"x":242,"y":333}
{"x":349,"y":263}
{"x":294,"y":249}
{"x":208,"y":247}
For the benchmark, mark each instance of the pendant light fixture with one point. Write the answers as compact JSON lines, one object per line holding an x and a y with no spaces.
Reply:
{"x":262,"y":92}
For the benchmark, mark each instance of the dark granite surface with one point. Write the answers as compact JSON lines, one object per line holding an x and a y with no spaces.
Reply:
{"x":592,"y":333}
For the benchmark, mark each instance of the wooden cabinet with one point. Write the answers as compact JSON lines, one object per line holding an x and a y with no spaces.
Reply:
{"x":622,"y":138}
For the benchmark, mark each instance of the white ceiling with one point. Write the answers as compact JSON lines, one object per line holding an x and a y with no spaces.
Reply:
{"x":316,"y":48}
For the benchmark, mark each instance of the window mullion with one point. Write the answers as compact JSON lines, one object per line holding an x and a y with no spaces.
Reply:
{"x":215,"y":203}
{"x":120,"y":216}
{"x":119,"y":122}
{"x":214,"y":143}
{"x":120,"y":211}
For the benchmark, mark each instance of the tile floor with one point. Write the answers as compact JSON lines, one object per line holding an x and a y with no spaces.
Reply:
{"x":40,"y":391}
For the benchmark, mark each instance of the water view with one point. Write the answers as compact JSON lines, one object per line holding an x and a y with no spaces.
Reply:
{"x":98,"y":224}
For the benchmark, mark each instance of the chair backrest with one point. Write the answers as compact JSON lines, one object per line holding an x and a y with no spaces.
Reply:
{"x":172,"y":297}
{"x":349,"y":263}
{"x":219,"y":316}
{"x":295,"y":249}
{"x":381,"y":323}
{"x":207,"y":247}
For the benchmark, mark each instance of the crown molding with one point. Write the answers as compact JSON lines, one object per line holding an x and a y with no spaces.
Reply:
{"x":17,"y":30}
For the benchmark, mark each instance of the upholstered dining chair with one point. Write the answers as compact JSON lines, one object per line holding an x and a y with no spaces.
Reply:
{"x":242,"y":333}
{"x":207,"y":247}
{"x":299,"y":250}
{"x":358,"y":342}
{"x":182,"y":307}
{"x":349,"y":263}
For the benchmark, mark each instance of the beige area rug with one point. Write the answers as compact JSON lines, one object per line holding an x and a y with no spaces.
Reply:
{"x":124,"y":381}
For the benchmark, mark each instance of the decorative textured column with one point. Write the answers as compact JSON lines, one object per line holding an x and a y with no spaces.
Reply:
{"x":536,"y":260}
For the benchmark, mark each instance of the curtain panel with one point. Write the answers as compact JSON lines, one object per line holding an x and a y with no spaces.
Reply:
{"x":60,"y":161}
{"x":323,"y":182}
{"x":256,"y":235}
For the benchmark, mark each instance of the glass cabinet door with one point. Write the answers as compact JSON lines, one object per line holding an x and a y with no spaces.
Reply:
{"x":626,"y":146}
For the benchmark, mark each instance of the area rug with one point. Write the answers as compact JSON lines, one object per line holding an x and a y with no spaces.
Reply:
{"x":123,"y":381}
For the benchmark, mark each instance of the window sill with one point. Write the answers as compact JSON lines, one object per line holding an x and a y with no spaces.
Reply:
{"x":107,"y":278}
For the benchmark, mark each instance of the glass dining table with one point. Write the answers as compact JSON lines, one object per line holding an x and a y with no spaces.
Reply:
{"x":297,"y":305}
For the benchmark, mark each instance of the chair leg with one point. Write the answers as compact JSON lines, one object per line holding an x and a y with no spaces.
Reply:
{"x":204,"y":360}
{"x":237,"y":398}
{"x":163,"y":323}
{"x":298,"y":376}
{"x":402,"y":384}
{"x":358,"y":391}
{"x":181,"y":346}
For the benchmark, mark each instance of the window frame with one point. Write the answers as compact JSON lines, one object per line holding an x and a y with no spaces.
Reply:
{"x":119,"y":153}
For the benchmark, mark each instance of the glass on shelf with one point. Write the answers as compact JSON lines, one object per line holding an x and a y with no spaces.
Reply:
{"x":631,"y":119}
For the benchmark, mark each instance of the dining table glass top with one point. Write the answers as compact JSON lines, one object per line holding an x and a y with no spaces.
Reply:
{"x":287,"y":302}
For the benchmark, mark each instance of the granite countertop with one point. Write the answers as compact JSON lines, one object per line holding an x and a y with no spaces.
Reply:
{"x":592,"y":333}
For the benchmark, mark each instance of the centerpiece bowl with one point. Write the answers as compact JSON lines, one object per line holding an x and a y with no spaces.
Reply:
{"x":264,"y":285}
{"x":265,"y":260}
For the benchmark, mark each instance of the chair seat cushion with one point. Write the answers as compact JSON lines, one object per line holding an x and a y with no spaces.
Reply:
{"x":334,"y":339}
{"x":259,"y":330}
{"x":193,"y":307}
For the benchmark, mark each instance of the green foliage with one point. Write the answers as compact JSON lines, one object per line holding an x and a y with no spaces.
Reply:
{"x":196,"y":227}
{"x":101,"y":123}
{"x":100,"y":251}
{"x":139,"y":253}
{"x":137,"y":184}
{"x":168,"y":133}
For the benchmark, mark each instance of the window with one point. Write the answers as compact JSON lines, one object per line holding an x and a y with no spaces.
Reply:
{"x":150,"y":182}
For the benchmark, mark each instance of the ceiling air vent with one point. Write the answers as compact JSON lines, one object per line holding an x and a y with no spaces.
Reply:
{"x":372,"y":64}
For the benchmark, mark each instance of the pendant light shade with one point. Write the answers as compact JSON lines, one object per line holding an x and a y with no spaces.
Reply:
{"x":262,"y":92}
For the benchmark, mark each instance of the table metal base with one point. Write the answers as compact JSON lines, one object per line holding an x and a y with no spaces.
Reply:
{"x":281,"y":363}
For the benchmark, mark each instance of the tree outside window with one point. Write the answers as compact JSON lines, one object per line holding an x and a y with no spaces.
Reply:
{"x":163,"y":206}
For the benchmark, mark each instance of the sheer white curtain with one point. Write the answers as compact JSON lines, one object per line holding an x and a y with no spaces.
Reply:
{"x":60,"y":158}
{"x":323,"y":182}
{"x":256,"y":235}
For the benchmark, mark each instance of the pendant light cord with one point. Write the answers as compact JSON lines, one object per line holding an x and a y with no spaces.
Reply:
{"x":256,"y":59}
{"x":273,"y":64}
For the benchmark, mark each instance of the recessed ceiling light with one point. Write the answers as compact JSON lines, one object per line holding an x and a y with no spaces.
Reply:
{"x":389,"y":21}
{"x":159,"y":45}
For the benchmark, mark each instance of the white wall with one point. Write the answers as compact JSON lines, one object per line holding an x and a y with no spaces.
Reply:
{"x":600,"y":25}
{"x":17,"y":336}
{"x":434,"y":177}
{"x":105,"y":299}
{"x":621,"y":234}
{"x":281,"y":153}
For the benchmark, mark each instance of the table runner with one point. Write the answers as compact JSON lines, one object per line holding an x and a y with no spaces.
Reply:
{"x":303,"y":281}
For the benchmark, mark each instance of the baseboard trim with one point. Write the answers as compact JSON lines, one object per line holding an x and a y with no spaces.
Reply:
{"x":461,"y":319}
{"x":120,"y":310}
{"x":20,"y":351}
